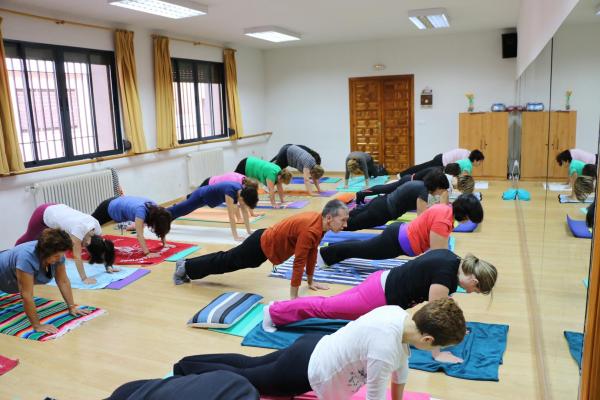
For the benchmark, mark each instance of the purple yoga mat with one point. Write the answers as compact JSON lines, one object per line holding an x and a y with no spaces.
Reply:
{"x":327,"y":193}
{"x":130,"y":279}
{"x":298,"y":204}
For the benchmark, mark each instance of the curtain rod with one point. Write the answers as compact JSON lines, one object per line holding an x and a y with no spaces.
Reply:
{"x":194,"y":42}
{"x":56,"y":20}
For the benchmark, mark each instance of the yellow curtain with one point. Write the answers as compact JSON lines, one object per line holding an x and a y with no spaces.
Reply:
{"x":166,"y":135}
{"x":128,"y":88}
{"x":10,"y":154}
{"x":233,"y":101}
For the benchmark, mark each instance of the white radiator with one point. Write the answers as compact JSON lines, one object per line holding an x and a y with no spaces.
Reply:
{"x":203,"y":164}
{"x":81,"y":192}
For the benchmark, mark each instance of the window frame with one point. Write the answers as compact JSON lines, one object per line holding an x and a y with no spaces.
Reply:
{"x":58,"y":53}
{"x":223,"y":111}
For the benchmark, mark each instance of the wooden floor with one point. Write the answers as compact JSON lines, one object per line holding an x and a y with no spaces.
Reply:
{"x":539,"y":294}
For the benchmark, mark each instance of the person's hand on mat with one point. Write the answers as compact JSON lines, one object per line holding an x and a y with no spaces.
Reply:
{"x":89,"y":281}
{"x":46,"y":328}
{"x":447,"y":357}
{"x":152,"y":255}
{"x":318,"y":286}
{"x":78,"y":312}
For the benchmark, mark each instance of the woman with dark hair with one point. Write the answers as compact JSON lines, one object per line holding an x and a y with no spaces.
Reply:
{"x":410,"y":196}
{"x":36,"y":263}
{"x":475,"y":157}
{"x":429,"y":230}
{"x":267,"y":173}
{"x":237,"y":198}
{"x":142,"y":211}
{"x":566,"y":156}
{"x":83,"y":230}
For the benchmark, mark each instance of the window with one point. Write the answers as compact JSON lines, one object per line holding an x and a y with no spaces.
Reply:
{"x":199,"y":92}
{"x":65,"y":102}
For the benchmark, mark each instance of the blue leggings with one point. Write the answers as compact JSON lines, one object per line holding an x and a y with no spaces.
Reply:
{"x":194,"y":201}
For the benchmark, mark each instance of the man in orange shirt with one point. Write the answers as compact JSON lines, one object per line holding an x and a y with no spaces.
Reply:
{"x":299,"y":236}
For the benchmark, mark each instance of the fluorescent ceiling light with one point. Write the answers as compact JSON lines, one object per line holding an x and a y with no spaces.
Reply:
{"x":171,"y":9}
{"x":598,"y":9}
{"x":272,"y":34}
{"x":429,"y":18}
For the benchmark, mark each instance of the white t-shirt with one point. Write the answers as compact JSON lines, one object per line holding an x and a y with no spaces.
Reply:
{"x":76,"y":223}
{"x":366,"y":351}
{"x":454,"y":155}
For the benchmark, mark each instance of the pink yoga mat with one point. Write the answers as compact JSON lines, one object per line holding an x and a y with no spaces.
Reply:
{"x":6,"y":364}
{"x":130,"y":279}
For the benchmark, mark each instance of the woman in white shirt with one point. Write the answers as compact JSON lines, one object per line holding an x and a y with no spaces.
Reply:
{"x":83,"y":229}
{"x":367,"y":351}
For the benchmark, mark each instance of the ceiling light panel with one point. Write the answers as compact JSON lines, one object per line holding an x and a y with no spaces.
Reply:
{"x":429,"y":18}
{"x":175,"y":9}
{"x":272,"y":34}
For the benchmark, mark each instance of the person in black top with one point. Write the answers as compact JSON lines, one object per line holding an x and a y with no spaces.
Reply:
{"x":410,"y":196}
{"x":434,"y":275}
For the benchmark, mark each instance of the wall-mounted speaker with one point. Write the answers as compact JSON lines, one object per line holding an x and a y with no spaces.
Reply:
{"x":509,"y":45}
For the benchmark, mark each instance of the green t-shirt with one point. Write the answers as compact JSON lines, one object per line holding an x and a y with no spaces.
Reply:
{"x":465,"y":165}
{"x":576,"y":166}
{"x":261,"y":170}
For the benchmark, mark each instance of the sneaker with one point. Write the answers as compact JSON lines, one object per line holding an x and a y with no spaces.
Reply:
{"x":179,"y":276}
{"x":321,"y":264}
{"x":267,"y":322}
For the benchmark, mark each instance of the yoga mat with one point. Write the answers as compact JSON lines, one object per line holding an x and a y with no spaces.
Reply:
{"x":583,"y":210}
{"x":263,"y":204}
{"x":482,"y":185}
{"x":129,"y":252}
{"x":6,"y":364}
{"x":358,"y":183}
{"x":204,"y":234}
{"x":349,"y":272}
{"x":586,"y":282}
{"x":300,"y":193}
{"x":556,"y":187}
{"x":300,"y":180}
{"x":284,"y":336}
{"x":96,"y":271}
{"x":204,"y":214}
{"x":482,"y":350}
{"x":578,"y":228}
{"x":407,"y":217}
{"x":246,"y":324}
{"x":575,"y":342}
{"x":478,"y":195}
{"x":118,"y":285}
{"x":360,"y":395}
{"x":564,"y":198}
{"x":14,"y":322}
{"x":183,"y":254}
{"x":466,"y":227}
{"x":346,"y":197}
{"x":332,"y":237}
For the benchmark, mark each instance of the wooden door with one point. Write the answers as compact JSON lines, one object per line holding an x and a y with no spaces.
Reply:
{"x":563,"y":128}
{"x":381,"y":119}
{"x":495,"y":145}
{"x":470,"y":128}
{"x":534,"y":144}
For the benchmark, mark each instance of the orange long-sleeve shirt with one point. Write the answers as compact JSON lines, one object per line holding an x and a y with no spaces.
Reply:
{"x":299,"y":235}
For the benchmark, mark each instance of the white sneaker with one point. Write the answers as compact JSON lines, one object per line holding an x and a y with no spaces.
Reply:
{"x":267,"y":322}
{"x":179,"y":276}
{"x":320,"y":262}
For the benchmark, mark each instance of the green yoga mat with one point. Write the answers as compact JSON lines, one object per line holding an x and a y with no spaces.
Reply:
{"x":183,"y":253}
{"x":331,"y":180}
{"x":244,"y":325}
{"x":357,"y":184}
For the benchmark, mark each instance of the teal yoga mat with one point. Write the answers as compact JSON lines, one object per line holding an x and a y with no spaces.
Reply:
{"x":246,"y":324}
{"x":183,"y":253}
{"x":357,"y":184}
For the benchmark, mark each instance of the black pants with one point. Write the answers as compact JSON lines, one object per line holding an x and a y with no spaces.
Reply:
{"x":204,"y":183}
{"x":241,"y":167}
{"x":385,"y":189}
{"x":370,"y":215}
{"x":281,"y":158}
{"x":313,"y":153}
{"x":101,"y":212}
{"x":380,"y":247}
{"x":248,"y":254}
{"x":217,"y":385}
{"x":435,"y":162}
{"x":282,"y":373}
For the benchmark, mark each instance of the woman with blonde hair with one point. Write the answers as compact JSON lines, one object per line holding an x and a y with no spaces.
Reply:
{"x":360,"y":163}
{"x":434,"y":275}
{"x":304,"y":160}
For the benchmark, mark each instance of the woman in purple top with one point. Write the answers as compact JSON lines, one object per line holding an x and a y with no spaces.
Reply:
{"x":37,"y":262}
{"x":230,"y":193}
{"x":142,"y":211}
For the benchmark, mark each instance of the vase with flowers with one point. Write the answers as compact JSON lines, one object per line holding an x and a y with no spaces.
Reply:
{"x":568,"y":94}
{"x":471,"y":100}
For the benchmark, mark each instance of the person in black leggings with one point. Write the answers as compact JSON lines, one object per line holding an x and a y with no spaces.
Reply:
{"x":281,"y":373}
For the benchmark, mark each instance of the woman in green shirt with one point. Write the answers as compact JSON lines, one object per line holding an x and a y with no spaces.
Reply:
{"x":267,"y":173}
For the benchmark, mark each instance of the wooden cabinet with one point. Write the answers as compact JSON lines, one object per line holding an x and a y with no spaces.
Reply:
{"x":488,"y":132}
{"x":543,"y":136}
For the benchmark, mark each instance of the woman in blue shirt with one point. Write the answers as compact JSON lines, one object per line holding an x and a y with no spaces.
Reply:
{"x":36,"y":263}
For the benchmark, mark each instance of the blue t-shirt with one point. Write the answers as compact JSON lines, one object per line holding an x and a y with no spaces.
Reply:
{"x":214,"y":195}
{"x":128,"y":208}
{"x":23,"y":257}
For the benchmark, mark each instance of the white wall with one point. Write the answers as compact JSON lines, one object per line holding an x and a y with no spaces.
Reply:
{"x":160,"y":176}
{"x":307,"y":95}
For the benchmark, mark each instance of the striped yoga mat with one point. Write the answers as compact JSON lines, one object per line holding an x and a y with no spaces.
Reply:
{"x":349,"y":272}
{"x":14,"y":322}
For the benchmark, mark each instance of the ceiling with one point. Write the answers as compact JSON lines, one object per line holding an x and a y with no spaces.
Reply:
{"x":318,"y":21}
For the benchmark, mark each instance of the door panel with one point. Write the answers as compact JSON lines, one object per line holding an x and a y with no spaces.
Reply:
{"x":495,"y":144}
{"x":365,"y":117}
{"x":397,"y":123}
{"x":534,"y":144}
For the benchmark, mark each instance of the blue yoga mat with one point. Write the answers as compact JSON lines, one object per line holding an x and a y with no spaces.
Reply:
{"x":332,"y":237}
{"x":466,"y":227}
{"x":575,"y":342}
{"x":564,"y":198}
{"x":300,"y":180}
{"x":482,"y":349}
{"x":578,"y":228}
